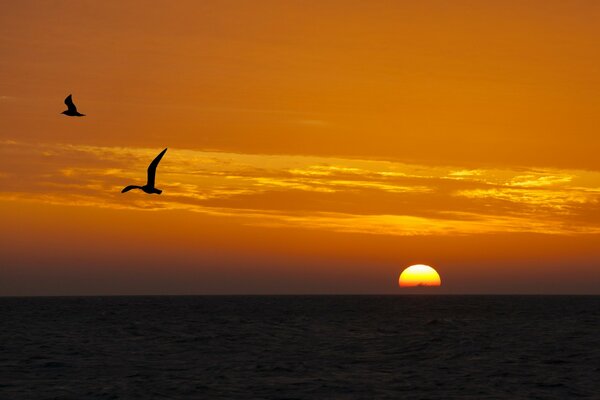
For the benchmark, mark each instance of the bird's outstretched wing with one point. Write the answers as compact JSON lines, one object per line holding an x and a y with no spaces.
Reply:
{"x":70,"y":105}
{"x":128,"y":188}
{"x":152,"y":168}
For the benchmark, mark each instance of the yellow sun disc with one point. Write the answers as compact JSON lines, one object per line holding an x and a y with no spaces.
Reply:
{"x":419,"y":275}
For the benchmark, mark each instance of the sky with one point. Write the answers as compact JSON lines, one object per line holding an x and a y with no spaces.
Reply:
{"x":314,"y":146}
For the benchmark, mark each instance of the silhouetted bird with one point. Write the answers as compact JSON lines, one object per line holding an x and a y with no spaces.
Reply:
{"x":149,"y":186}
{"x":71,"y":110}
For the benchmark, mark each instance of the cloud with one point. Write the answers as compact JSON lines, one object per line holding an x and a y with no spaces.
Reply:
{"x":336,"y":194}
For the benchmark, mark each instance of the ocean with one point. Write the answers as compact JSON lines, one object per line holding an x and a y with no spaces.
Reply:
{"x":300,"y":347}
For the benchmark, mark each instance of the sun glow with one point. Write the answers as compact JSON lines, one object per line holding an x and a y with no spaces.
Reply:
{"x":419,"y":275}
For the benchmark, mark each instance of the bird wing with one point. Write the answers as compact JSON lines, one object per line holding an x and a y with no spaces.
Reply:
{"x":152,"y":168}
{"x":70,"y":104}
{"x":128,"y":188}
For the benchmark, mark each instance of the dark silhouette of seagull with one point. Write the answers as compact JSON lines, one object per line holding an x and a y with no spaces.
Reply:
{"x":149,"y":186}
{"x":71,"y":110}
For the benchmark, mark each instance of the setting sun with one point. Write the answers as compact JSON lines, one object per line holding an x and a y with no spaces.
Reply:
{"x":419,"y":275}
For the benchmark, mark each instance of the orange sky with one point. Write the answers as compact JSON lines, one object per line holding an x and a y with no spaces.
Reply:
{"x":314,"y":146}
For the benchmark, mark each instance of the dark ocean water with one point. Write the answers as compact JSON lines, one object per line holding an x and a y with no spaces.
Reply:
{"x":300,"y":347}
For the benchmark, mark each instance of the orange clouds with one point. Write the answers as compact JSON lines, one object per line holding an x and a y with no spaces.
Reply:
{"x":345,"y":195}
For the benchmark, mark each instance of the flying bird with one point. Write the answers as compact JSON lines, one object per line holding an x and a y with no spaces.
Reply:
{"x":71,"y":110}
{"x":149,"y":186}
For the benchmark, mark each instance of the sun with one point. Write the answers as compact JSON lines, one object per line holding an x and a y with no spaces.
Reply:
{"x":419,"y":275}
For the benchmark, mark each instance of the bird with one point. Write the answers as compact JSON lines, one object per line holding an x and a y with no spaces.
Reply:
{"x":149,"y":186}
{"x":71,"y":110}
